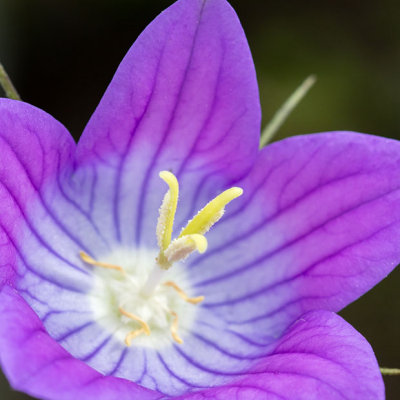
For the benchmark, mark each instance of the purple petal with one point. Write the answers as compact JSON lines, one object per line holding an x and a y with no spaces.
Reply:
{"x":113,"y":198}
{"x":34,"y":148}
{"x":8,"y":261}
{"x":42,"y":229}
{"x":36,"y":364}
{"x":319,"y":357}
{"x":185,"y":98}
{"x":318,"y":226}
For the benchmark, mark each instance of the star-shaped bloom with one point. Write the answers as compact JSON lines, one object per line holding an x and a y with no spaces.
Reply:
{"x":115,"y":285}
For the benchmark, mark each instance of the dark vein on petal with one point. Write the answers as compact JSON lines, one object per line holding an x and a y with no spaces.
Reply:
{"x":241,"y":336}
{"x":296,"y":240}
{"x":74,"y":331}
{"x":204,"y":368}
{"x":80,"y":210}
{"x":118,"y":180}
{"x":281,"y":308}
{"x":50,"y":313}
{"x":93,"y":189}
{"x":40,"y":196}
{"x":330,"y":256}
{"x":144,"y":372}
{"x":33,"y":297}
{"x":97,"y":349}
{"x":149,"y":170}
{"x":171,"y":372}
{"x":223,"y":351}
{"x":273,"y":217}
{"x":249,"y":373}
{"x":206,"y":121}
{"x":33,"y":271}
{"x":119,"y":362}
{"x":37,"y":235}
{"x":196,"y":193}
{"x":300,"y":170}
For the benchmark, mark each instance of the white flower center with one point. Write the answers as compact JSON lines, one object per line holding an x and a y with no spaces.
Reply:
{"x":130,"y":296}
{"x":116,"y":290}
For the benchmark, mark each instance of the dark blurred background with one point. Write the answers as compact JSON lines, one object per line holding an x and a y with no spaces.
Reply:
{"x":61,"y":54}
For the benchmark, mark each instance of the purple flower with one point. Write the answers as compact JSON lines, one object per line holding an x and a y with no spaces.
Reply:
{"x":96,"y":301}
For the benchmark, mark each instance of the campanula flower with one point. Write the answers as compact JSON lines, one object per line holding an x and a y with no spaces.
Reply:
{"x":164,"y":255}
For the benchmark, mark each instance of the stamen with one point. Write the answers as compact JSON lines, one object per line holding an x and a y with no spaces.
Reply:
{"x":191,"y":300}
{"x":132,"y":335}
{"x":91,"y":261}
{"x":144,"y":325}
{"x":211,"y":213}
{"x":182,"y":247}
{"x":174,"y":328}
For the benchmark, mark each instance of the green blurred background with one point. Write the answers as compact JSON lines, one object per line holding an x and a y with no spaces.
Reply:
{"x":61,"y":54}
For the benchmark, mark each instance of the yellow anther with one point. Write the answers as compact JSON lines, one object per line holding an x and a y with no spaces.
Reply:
{"x":89,"y":260}
{"x":143,"y":324}
{"x":174,"y":328}
{"x":132,"y":335}
{"x":191,"y":300}
{"x":167,"y":210}
{"x":211,"y":213}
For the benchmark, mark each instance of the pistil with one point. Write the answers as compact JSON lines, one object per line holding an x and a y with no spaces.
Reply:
{"x":192,"y":236}
{"x":154,"y":279}
{"x":171,"y":251}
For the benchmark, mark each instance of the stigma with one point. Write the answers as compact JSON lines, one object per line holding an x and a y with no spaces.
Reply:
{"x":192,"y":236}
{"x":142,"y":296}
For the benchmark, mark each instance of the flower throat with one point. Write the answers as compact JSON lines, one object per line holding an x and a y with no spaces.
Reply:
{"x":143,"y":305}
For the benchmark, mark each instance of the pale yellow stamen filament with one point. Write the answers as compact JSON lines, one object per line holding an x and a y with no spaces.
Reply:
{"x":191,"y":300}
{"x":132,"y":335}
{"x":174,"y":328}
{"x":143,"y":324}
{"x":91,"y":261}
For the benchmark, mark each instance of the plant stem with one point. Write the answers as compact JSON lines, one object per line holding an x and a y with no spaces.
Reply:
{"x":7,"y":85}
{"x":287,"y":107}
{"x":390,"y":371}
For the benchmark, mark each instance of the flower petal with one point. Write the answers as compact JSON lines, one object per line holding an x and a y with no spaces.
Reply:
{"x":36,"y":364}
{"x":184,"y":99}
{"x":34,"y":148}
{"x":318,"y":226}
{"x":39,"y":246}
{"x":319,"y":357}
